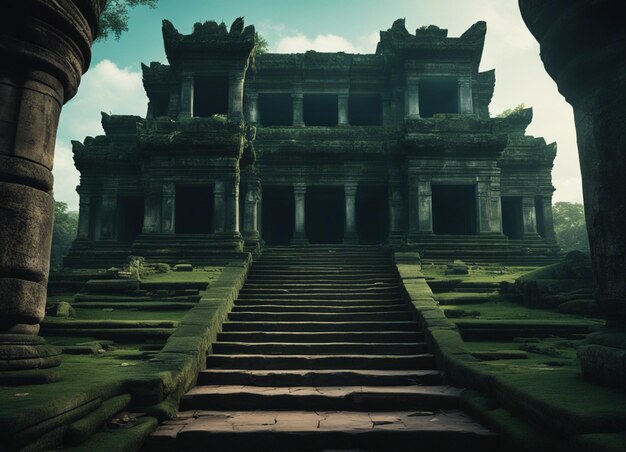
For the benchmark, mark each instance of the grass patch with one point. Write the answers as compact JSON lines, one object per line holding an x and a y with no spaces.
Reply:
{"x":199,"y":274}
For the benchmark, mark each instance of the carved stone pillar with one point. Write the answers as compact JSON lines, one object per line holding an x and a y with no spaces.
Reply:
{"x":219,"y":207}
{"x":152,"y":211}
{"x":350,"y":234}
{"x":529,"y":217}
{"x":489,"y":207}
{"x":45,"y":47}
{"x":425,"y":206}
{"x":342,"y":109}
{"x":412,"y":99}
{"x":173,"y":107}
{"x":186,"y":95}
{"x":466,"y":104}
{"x":298,"y":109}
{"x":253,"y":108}
{"x":591,"y":77}
{"x":108,"y":216}
{"x":235,"y":98}
{"x":251,"y":222}
{"x":396,"y":209}
{"x":168,"y":208}
{"x":84,"y":217}
{"x":299,"y":235}
{"x":388,"y":113}
{"x":548,"y":219}
{"x":231,"y":225}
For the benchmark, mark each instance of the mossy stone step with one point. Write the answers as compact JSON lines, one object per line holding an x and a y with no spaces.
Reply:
{"x":321,"y":337}
{"x":314,"y":302}
{"x":307,"y":430}
{"x":318,"y":316}
{"x":126,"y":335}
{"x":173,"y":285}
{"x":353,"y":398}
{"x":106,"y":324}
{"x":320,"y":326}
{"x":84,"y":298}
{"x":303,"y":307}
{"x":139,"y":306}
{"x":390,"y":296}
{"x":329,"y":348}
{"x":299,"y":377}
{"x":343,"y":361}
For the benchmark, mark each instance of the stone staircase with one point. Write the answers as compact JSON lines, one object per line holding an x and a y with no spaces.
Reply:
{"x":321,"y":352}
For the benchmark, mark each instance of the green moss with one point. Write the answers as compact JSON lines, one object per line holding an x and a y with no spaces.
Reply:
{"x":199,"y":274}
{"x":126,"y":439}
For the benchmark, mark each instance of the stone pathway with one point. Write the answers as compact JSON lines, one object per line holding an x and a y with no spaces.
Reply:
{"x":321,"y":352}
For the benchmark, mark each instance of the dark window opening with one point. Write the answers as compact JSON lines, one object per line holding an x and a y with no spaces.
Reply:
{"x":541,"y":226}
{"x":438,"y":96}
{"x":129,"y":217}
{"x":372,"y":214}
{"x":275,"y":109}
{"x":365,"y":110}
{"x":512,"y":217}
{"x":325,"y":214}
{"x":454,"y":209}
{"x":194,"y":209}
{"x":320,"y":110}
{"x":160,"y":103}
{"x":210,"y":96}
{"x":277,"y":215}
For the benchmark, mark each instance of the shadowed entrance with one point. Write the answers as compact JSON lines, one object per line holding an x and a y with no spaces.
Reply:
{"x":512,"y":218}
{"x":372,"y":214}
{"x":194,"y":209}
{"x":277,"y":215}
{"x":129,"y":218}
{"x":454,"y":209}
{"x":325,"y":214}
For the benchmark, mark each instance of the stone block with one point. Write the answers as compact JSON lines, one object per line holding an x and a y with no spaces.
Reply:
{"x":183,"y":268}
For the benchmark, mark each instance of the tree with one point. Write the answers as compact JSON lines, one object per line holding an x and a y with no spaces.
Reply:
{"x":114,"y":18}
{"x":63,"y":233}
{"x":262,"y":46}
{"x":510,"y":111}
{"x":570,"y":226}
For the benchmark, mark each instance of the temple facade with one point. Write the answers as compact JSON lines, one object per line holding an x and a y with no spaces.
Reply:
{"x":240,"y":150}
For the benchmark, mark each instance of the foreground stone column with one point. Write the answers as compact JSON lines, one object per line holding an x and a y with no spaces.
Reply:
{"x":298,"y":109}
{"x":168,"y":208}
{"x":219,"y":207}
{"x":342,"y":109}
{"x":45,"y":48}
{"x":299,"y":235}
{"x":350,"y":234}
{"x":582,"y":47}
{"x":529,"y":217}
{"x":186,"y":95}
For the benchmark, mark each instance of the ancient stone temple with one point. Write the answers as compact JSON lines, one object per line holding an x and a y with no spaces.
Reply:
{"x":239,"y":150}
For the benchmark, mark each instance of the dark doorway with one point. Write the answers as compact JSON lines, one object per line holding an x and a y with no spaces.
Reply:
{"x":277,"y":215}
{"x":372,"y":214}
{"x":320,"y":110}
{"x":129,"y":217}
{"x":160,"y":103}
{"x":210,"y":96}
{"x":541,"y":225}
{"x":512,"y":217}
{"x":454,"y":209}
{"x":365,"y":110}
{"x":275,"y":109}
{"x":325,"y":214}
{"x":438,"y":96}
{"x":194,"y":209}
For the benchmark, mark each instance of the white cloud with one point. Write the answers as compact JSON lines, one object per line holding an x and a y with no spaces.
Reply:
{"x":105,"y":87}
{"x":299,"y":43}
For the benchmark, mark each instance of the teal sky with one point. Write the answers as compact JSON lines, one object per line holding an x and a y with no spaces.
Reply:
{"x":113,"y":83}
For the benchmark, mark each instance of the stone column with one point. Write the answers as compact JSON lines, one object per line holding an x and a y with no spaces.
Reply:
{"x":396,"y":210}
{"x":466,"y":104}
{"x":253,"y":108}
{"x":173,"y":106}
{"x":84,"y":217}
{"x":350,"y":234}
{"x":168,"y":208}
{"x":548,"y":220}
{"x":108,"y":216}
{"x":388,"y":113}
{"x":298,"y":109}
{"x":529,"y":217}
{"x":488,"y":207}
{"x":152,"y":211}
{"x":412,"y":99}
{"x":219,"y":208}
{"x":591,"y":77}
{"x":186,"y":95}
{"x":45,"y":47}
{"x":342,"y":109}
{"x":235,"y":97}
{"x":299,"y":235}
{"x":250,"y":223}
{"x":231,"y":225}
{"x":425,"y":206}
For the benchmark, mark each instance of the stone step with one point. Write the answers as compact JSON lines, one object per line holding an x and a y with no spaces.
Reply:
{"x":139,"y":306}
{"x":314,"y":431}
{"x":88,"y":298}
{"x":299,"y":377}
{"x":337,"y":278}
{"x":300,"y":307}
{"x":344,"y":361}
{"x":318,"y":316}
{"x":329,"y":348}
{"x":322,"y":296}
{"x":338,"y":290}
{"x":353,"y":398}
{"x":320,"y":326}
{"x":262,"y":285}
{"x":313,"y":337}
{"x":313,"y":302}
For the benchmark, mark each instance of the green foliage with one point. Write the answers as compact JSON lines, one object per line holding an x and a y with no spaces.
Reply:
{"x":510,"y":111}
{"x":63,"y":233}
{"x":114,"y":18}
{"x":570,"y":226}
{"x":262,"y":46}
